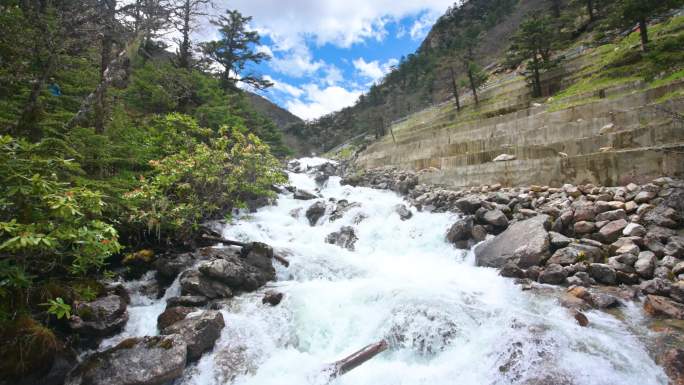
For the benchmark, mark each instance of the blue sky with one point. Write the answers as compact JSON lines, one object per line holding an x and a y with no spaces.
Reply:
{"x":327,"y":52}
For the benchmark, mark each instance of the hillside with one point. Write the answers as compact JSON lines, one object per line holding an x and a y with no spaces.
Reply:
{"x":609,"y":114}
{"x":283,"y":119}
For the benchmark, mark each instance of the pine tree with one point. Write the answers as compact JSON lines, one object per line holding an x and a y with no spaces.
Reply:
{"x":235,"y":50}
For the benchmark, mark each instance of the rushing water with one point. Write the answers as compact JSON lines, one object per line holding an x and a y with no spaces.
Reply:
{"x":448,"y":321}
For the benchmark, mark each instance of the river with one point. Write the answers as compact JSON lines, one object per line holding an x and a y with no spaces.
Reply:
{"x":448,"y":321}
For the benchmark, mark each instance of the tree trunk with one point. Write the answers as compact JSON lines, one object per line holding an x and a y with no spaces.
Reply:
{"x":184,"y":49}
{"x":109,"y":15}
{"x":454,"y":87}
{"x":643,"y":32}
{"x":536,"y":81}
{"x":471,"y":78}
{"x":590,"y":9}
{"x":357,"y":358}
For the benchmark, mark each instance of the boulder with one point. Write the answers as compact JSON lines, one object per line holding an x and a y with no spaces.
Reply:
{"x":576,"y":252}
{"x":581,"y":279}
{"x":645,"y":264}
{"x":194,"y":283}
{"x":634,"y":230}
{"x":528,"y":240}
{"x":495,"y":218}
{"x":673,"y":363}
{"x":241,"y":274}
{"x":656,"y":286}
{"x":602,"y":273}
{"x":304,"y":195}
{"x":99,"y":318}
{"x":199,"y":331}
{"x":553,"y":274}
{"x":662,"y":216}
{"x":675,"y":247}
{"x":403,"y":211}
{"x":584,"y":227}
{"x":469,"y":204}
{"x":612,"y":215}
{"x":341,"y":208}
{"x":272,"y":298}
{"x":612,"y":231}
{"x":677,"y":291}
{"x":172,"y":315}
{"x":644,"y":196}
{"x":511,"y":270}
{"x":558,"y":240}
{"x":504,"y":158}
{"x":315,"y":212}
{"x":656,"y":305}
{"x":187,"y":301}
{"x":460,"y":232}
{"x":135,"y":361}
{"x":345,"y":238}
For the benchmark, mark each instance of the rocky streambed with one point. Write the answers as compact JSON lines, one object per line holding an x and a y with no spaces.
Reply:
{"x":538,"y":285}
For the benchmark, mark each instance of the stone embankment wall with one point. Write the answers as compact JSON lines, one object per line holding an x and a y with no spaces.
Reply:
{"x":628,"y":133}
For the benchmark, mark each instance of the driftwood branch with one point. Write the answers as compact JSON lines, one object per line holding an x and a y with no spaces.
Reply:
{"x":243,"y":245}
{"x":339,"y":368}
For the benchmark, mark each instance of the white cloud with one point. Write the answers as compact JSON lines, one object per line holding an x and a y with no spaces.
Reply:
{"x":422,"y":25}
{"x":374,"y":70}
{"x":285,"y":88}
{"x":333,"y":75}
{"x":338,"y":22}
{"x":321,"y":101}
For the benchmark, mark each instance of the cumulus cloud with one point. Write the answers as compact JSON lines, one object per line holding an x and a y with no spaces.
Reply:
{"x":374,"y":70}
{"x":338,"y":22}
{"x":319,"y":101}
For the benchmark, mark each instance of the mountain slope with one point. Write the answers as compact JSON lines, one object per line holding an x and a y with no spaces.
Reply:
{"x":283,"y":119}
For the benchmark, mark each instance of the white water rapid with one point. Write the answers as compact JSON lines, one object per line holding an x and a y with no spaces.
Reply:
{"x":449,"y":322}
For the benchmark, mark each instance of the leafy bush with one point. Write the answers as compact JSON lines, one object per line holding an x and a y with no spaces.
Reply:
{"x":204,"y":181}
{"x":47,"y":227}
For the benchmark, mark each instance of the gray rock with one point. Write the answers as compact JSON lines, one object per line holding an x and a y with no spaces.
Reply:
{"x":581,"y":278}
{"x":199,"y":332}
{"x":194,"y":283}
{"x":403,"y":211}
{"x":634,"y":230}
{"x":511,"y":270}
{"x":662,"y":272}
{"x":304,"y":195}
{"x":172,"y":315}
{"x":496,"y":218}
{"x":669,"y":261}
{"x":678,"y":268}
{"x":460,"y":231}
{"x":576,"y":252}
{"x":135,"y":361}
{"x":469,"y":204}
{"x":558,"y":240}
{"x":345,"y":238}
{"x":644,"y":196}
{"x":662,"y":216}
{"x":603,"y":300}
{"x":677,"y":291}
{"x":602,"y":273}
{"x":99,"y":318}
{"x":528,"y":239}
{"x":612,"y":215}
{"x":341,"y":208}
{"x":553,"y":274}
{"x":187,"y":300}
{"x":675,"y":247}
{"x":242,"y":274}
{"x":657,"y":286}
{"x":645,"y":264}
{"x":619,"y":266}
{"x":612,"y":231}
{"x":584,"y":227}
{"x":272,"y":298}
{"x":315,"y":212}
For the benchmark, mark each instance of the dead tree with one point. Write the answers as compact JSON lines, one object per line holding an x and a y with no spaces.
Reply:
{"x":340,"y":367}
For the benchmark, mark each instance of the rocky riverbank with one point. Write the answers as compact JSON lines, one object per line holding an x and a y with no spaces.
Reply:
{"x":587,"y":238}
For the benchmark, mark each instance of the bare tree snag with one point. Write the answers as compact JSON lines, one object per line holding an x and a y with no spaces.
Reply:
{"x":117,"y":69}
{"x":339,"y":368}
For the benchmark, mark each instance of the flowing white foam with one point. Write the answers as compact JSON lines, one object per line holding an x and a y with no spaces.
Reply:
{"x":447,"y":320}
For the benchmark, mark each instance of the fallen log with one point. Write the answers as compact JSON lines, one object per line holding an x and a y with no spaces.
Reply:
{"x":339,"y":368}
{"x":244,"y":246}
